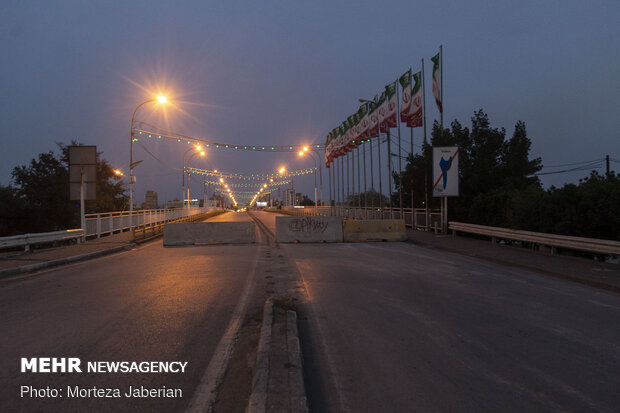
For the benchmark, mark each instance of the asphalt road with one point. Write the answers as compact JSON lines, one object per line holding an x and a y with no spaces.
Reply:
{"x":148,"y":304}
{"x":385,"y":327}
{"x":401,"y":328}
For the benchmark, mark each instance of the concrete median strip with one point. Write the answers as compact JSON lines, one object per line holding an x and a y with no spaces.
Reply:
{"x":374,"y":230}
{"x":278,"y":383}
{"x":191,"y":233}
{"x":260,"y":381}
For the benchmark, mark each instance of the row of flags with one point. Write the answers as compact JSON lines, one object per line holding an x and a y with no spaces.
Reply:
{"x":376,"y":116}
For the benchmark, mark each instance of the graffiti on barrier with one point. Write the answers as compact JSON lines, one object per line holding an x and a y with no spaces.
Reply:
{"x":307,"y":224}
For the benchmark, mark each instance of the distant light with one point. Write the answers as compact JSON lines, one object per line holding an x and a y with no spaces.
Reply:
{"x":162,"y":99}
{"x":202,"y":153}
{"x":301,"y":153}
{"x":305,"y":149}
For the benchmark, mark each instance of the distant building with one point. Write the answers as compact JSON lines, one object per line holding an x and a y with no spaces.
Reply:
{"x":174,"y":204}
{"x":150,"y":200}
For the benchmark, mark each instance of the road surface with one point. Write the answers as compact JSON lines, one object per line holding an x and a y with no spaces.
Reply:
{"x":401,"y":328}
{"x":384,"y":327}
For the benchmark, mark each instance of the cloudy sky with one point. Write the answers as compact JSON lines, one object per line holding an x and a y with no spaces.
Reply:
{"x":287,"y":72}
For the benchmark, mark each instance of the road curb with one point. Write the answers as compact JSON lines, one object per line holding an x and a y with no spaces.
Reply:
{"x":61,"y":261}
{"x":299,"y":402}
{"x":260,"y":381}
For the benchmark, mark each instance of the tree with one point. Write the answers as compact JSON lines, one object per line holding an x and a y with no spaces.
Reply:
{"x":305,"y":201}
{"x":370,"y":198}
{"x":489,"y":167}
{"x":37,"y":200}
{"x":519,"y":170}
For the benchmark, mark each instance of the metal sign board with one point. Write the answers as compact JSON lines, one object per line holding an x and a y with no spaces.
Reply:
{"x":82,"y":165}
{"x":82,"y":155}
{"x":90,"y":191}
{"x":445,"y":171}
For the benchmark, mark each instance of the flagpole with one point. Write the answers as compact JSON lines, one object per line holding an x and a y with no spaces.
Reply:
{"x":389,"y":148}
{"x":411,"y":152}
{"x":444,"y":228}
{"x":348,"y":179}
{"x":365,"y":190}
{"x":353,"y":176}
{"x":427,"y":223}
{"x":342,"y":177}
{"x":359,"y":192}
{"x":441,"y":85}
{"x":372,"y":177}
{"x":423,"y":106}
{"x":379,"y":166}
{"x":400,"y":165}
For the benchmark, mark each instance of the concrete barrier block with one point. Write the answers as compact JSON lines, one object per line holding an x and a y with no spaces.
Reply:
{"x":374,"y":230}
{"x":308,"y":229}
{"x":190,"y":233}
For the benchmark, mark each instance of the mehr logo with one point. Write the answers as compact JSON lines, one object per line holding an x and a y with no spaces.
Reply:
{"x":51,"y":365}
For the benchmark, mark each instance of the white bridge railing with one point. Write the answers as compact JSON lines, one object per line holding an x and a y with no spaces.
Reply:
{"x":111,"y":222}
{"x":102,"y":224}
{"x":599,"y":246}
{"x":418,"y":218}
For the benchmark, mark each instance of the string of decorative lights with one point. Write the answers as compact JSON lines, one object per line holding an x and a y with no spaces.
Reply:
{"x":151,"y":131}
{"x":242,"y":185}
{"x":229,"y":175}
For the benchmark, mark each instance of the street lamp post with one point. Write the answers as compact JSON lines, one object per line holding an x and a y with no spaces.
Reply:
{"x":160,"y":99}
{"x":202,"y":153}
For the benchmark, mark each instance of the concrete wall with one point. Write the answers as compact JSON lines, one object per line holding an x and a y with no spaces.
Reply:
{"x":190,"y":233}
{"x":375,"y":230}
{"x":308,"y":229}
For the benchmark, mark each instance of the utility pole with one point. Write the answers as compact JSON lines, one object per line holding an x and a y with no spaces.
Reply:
{"x":607,"y":165}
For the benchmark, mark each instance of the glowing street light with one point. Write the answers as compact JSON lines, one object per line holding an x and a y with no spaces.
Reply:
{"x":118,"y":172}
{"x":306,"y":148}
{"x":160,"y":99}
{"x":201,"y":153}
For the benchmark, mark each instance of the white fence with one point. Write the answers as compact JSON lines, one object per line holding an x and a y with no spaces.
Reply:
{"x":599,"y":246}
{"x":111,"y":222}
{"x":103,"y":223}
{"x":417,"y":218}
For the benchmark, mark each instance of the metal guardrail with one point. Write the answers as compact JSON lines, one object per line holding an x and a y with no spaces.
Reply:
{"x":599,"y":246}
{"x":26,"y":240}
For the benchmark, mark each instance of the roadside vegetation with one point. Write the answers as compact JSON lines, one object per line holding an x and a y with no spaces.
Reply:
{"x":499,"y":185}
{"x":37,"y":199}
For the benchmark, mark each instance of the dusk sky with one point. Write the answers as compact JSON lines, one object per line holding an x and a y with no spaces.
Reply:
{"x":288,"y":72}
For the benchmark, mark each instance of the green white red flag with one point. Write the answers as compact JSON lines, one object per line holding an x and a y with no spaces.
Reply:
{"x":415,"y":115}
{"x":391,"y":105}
{"x":373,"y":128}
{"x":405,"y":104}
{"x":437,"y":80}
